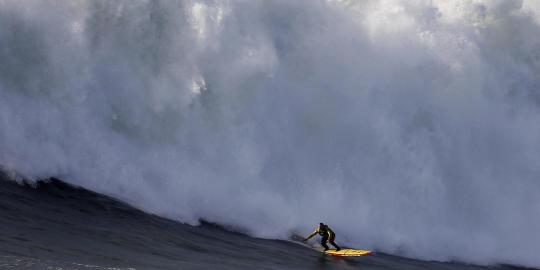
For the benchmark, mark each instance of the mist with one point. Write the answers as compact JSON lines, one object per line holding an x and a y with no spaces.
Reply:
{"x":410,"y":127}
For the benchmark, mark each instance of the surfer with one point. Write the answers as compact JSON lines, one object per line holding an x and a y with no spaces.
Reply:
{"x":327,"y":236}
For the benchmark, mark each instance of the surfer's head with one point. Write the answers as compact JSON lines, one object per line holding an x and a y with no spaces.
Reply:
{"x":321,"y":224}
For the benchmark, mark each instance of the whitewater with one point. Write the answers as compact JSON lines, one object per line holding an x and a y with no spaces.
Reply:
{"x":412,"y":127}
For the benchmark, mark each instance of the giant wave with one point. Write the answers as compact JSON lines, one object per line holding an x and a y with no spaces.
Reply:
{"x":409,"y":126}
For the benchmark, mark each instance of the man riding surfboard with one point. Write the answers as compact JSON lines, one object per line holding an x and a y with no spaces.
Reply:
{"x":327,"y":236}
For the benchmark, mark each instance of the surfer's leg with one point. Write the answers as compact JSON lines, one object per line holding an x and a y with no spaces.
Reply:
{"x":323,"y":243}
{"x":325,"y":246}
{"x":335,"y":245}
{"x":331,"y":241}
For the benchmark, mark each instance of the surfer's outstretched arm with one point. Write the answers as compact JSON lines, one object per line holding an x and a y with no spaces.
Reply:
{"x":311,"y":235}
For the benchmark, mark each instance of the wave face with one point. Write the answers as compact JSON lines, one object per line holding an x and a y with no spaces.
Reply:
{"x":45,"y":226}
{"x":411,"y":127}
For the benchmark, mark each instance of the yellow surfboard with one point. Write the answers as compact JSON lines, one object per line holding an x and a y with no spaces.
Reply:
{"x":344,"y":252}
{"x":347,"y":252}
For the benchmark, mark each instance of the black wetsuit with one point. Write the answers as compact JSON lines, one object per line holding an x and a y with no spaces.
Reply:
{"x":327,"y":236}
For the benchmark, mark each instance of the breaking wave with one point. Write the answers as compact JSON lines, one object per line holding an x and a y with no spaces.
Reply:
{"x":410,"y":127}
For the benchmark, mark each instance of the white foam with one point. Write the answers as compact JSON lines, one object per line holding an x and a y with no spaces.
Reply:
{"x":409,"y":126}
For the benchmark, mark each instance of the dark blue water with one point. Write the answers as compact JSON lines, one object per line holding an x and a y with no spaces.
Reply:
{"x":52,"y":225}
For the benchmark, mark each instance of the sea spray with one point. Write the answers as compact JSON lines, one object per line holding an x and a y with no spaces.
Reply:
{"x":410,"y":127}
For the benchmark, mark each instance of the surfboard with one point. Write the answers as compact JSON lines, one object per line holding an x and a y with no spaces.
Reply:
{"x":346,"y":252}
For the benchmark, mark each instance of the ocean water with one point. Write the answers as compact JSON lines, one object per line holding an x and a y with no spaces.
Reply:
{"x":52,"y":225}
{"x":411,"y":127}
